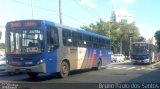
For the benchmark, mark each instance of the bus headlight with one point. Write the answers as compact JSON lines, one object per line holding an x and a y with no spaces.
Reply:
{"x":40,"y":61}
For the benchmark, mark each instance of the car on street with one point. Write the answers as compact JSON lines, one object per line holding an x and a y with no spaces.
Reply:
{"x":2,"y":64}
{"x":3,"y":69}
{"x":118,"y":58}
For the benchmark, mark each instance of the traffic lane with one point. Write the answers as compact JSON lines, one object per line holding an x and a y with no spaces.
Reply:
{"x":150,"y":77}
{"x":103,"y":76}
{"x":71,"y":82}
{"x":129,"y":65}
{"x":88,"y":76}
{"x":80,"y":77}
{"x":111,"y":75}
{"x":119,"y":73}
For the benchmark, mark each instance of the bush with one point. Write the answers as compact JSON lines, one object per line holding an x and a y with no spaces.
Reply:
{"x":2,"y":46}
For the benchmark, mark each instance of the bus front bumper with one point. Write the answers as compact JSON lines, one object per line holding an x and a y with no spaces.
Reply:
{"x":41,"y":68}
{"x":140,"y":61}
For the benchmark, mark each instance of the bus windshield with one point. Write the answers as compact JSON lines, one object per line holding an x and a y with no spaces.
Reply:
{"x":24,"y":41}
{"x":140,"y":50}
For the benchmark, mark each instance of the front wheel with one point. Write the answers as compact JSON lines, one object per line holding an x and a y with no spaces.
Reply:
{"x":10,"y":73}
{"x":64,"y":70}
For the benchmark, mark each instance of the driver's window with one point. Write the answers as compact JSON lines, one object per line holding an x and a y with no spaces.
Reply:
{"x":52,"y":37}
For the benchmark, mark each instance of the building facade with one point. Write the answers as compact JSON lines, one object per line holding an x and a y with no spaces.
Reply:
{"x":120,"y":15}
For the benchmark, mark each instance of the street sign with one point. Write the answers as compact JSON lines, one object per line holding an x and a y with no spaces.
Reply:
{"x":130,"y":34}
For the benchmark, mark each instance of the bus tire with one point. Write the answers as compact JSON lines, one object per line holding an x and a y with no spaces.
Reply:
{"x":64,"y":70}
{"x":32,"y":75}
{"x":10,"y":73}
{"x":99,"y":64}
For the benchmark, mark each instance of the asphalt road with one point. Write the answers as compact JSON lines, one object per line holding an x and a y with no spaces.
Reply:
{"x":114,"y":73}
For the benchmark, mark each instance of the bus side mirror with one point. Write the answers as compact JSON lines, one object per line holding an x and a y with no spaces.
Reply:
{"x":51,"y":48}
{"x":55,"y":46}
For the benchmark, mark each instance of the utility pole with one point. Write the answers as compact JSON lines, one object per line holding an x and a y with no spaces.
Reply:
{"x":32,"y":7}
{"x":109,"y":29}
{"x":130,"y":43}
{"x":109,"y":26}
{"x":130,"y":34}
{"x":121,"y":46}
{"x":60,"y":12}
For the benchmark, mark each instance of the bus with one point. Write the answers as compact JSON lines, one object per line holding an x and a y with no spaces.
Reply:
{"x":41,"y":46}
{"x":143,"y":52}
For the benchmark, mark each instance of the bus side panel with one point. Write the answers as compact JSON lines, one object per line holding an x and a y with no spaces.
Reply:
{"x":82,"y":57}
{"x":104,"y":55}
{"x":91,"y":56}
{"x":51,"y":61}
{"x":88,"y":56}
{"x":70,"y":54}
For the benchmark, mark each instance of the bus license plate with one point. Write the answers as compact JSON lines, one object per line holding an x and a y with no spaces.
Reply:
{"x":28,"y":63}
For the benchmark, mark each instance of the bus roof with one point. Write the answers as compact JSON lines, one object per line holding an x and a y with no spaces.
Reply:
{"x":64,"y":26}
{"x":140,"y":43}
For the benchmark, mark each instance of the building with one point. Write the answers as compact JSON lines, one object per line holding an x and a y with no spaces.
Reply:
{"x":120,"y":15}
{"x":2,"y":35}
{"x":152,"y":40}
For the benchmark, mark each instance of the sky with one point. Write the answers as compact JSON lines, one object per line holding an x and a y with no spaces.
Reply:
{"x":76,"y":13}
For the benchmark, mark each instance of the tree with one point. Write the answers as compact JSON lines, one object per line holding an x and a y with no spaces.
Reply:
{"x":157,"y":37}
{"x":141,"y":39}
{"x":117,"y":31}
{"x":2,"y":46}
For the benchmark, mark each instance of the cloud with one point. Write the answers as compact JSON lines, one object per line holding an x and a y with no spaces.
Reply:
{"x":128,"y":1}
{"x":146,"y":31}
{"x":115,"y":2}
{"x":141,"y":26}
{"x":88,"y":3}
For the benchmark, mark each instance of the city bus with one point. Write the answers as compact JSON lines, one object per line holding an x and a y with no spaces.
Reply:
{"x":143,"y":52}
{"x":40,"y":46}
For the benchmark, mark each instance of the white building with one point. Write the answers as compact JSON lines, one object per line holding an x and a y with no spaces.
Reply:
{"x":2,"y":38}
{"x":152,"y":40}
{"x":120,"y":15}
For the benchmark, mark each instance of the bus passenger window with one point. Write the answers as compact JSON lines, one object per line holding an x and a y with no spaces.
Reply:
{"x":67,"y":37}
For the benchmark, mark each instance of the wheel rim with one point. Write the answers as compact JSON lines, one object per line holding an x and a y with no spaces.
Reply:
{"x":65,"y":69}
{"x":99,"y":65}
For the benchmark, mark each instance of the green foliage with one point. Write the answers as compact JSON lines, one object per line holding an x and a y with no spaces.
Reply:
{"x":2,"y":46}
{"x":141,"y":39}
{"x":117,"y":31}
{"x":157,"y":36}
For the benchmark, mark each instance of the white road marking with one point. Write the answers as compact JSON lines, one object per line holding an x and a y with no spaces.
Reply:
{"x":131,"y":68}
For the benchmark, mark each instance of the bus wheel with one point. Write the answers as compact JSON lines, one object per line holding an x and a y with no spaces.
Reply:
{"x":10,"y":73}
{"x":64,"y":70}
{"x":99,"y":65}
{"x":32,"y":75}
